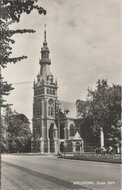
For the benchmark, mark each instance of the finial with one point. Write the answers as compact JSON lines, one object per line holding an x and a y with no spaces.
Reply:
{"x":45,"y":32}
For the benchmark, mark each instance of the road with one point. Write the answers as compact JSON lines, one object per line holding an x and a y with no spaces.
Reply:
{"x":48,"y":172}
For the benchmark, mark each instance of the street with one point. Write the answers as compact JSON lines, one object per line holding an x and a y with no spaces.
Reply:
{"x":48,"y":172}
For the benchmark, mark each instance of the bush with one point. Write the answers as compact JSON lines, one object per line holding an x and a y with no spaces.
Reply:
{"x":92,"y":157}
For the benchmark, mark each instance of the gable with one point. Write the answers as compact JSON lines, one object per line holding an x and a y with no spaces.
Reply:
{"x":68,"y":106}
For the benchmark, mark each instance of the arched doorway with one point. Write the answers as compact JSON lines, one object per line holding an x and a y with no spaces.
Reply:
{"x":62,"y":147}
{"x":72,"y":130}
{"x":51,"y":136}
{"x":78,"y":144}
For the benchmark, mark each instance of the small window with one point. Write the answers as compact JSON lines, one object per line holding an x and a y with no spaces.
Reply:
{"x":53,"y":92}
{"x":51,"y":80}
{"x":47,"y":91}
{"x":46,"y":55}
{"x":50,"y":91}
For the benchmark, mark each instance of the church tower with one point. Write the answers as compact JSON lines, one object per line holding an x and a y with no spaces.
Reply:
{"x":45,"y":137}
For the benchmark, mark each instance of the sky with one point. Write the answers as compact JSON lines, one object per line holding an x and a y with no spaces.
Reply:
{"x":83,"y":38}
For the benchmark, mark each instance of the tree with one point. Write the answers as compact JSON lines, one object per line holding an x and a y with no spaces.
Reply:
{"x":5,"y":89}
{"x":103,"y":105}
{"x":18,"y":134}
{"x":84,"y":126}
{"x":3,"y":137}
{"x":114,"y":137}
{"x":10,"y":12}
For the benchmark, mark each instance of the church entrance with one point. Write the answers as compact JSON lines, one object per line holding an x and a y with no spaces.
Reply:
{"x":78,"y":144}
{"x":62,"y":147}
{"x":51,"y":136}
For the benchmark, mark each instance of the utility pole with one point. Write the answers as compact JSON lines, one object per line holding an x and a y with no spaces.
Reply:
{"x":0,"y":120}
{"x":0,"y":110}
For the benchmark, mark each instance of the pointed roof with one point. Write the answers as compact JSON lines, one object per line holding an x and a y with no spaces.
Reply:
{"x":45,"y":61}
{"x":45,"y":40}
{"x":64,"y":105}
{"x":45,"y":47}
{"x":54,"y":127}
{"x":77,"y":136}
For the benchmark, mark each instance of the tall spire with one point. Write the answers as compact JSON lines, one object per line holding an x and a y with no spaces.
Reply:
{"x":45,"y":50}
{"x":45,"y":34}
{"x":45,"y":60}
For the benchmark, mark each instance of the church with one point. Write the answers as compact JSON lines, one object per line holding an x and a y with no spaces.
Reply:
{"x":49,"y":136}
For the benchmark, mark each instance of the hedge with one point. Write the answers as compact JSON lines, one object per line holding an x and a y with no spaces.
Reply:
{"x":92,"y":157}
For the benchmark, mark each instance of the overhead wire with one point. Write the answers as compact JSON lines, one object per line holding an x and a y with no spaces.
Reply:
{"x":19,"y":83}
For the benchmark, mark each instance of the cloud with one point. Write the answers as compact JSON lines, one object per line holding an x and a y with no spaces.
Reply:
{"x":83,"y":38}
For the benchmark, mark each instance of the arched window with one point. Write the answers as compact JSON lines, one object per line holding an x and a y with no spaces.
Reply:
{"x":50,"y":91}
{"x":47,"y":91}
{"x":53,"y":92}
{"x":37,"y":108}
{"x":51,"y":111}
{"x":51,"y":107}
{"x":72,"y":130}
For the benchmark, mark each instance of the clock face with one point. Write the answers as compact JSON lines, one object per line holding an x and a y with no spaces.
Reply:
{"x":50,"y":101}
